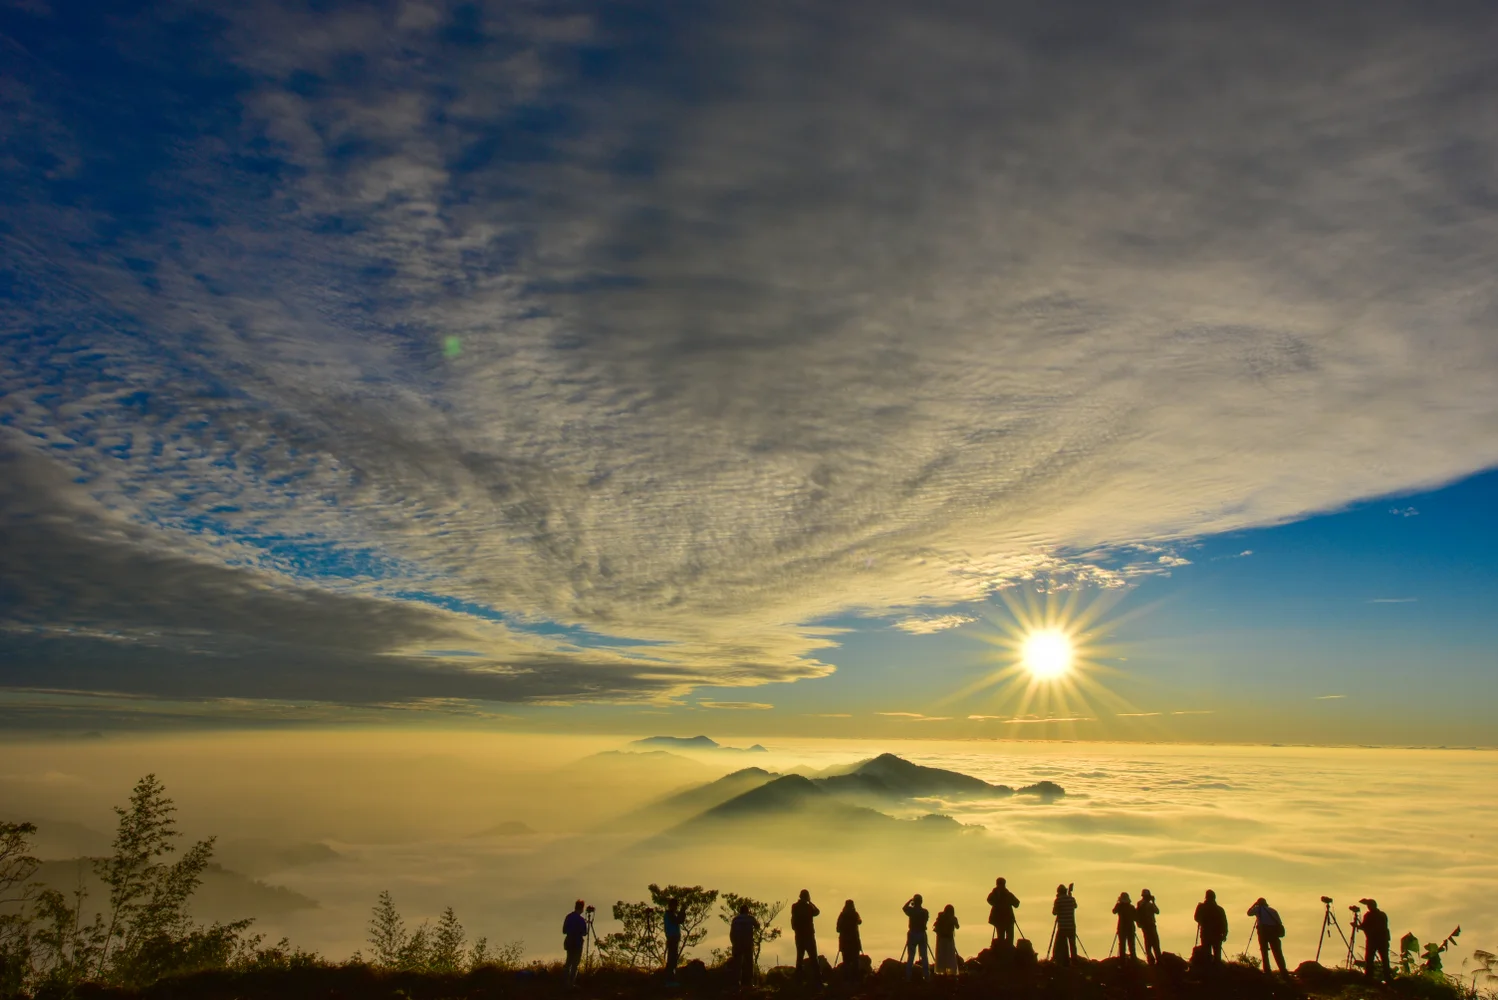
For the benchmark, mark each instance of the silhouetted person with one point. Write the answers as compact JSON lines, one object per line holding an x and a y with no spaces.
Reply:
{"x":1375,"y":938}
{"x":915,"y":937}
{"x":850,"y":940}
{"x":1065,"y":911}
{"x":1001,"y":904}
{"x":1125,"y":911}
{"x":1145,"y":912}
{"x":1212,"y":921}
{"x":945,"y":925}
{"x":741,"y":934}
{"x":574,"y":933}
{"x":671,"y":921}
{"x":803,"y":912}
{"x":1270,"y":928}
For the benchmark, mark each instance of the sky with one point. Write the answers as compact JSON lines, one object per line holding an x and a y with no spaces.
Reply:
{"x":751,"y":369}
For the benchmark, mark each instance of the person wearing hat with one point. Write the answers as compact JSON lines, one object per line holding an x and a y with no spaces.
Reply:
{"x":1145,"y":912}
{"x":574,"y":933}
{"x":1270,"y":928}
{"x":1001,"y":903}
{"x":1375,"y":924}
{"x":803,"y":912}
{"x":850,"y":941}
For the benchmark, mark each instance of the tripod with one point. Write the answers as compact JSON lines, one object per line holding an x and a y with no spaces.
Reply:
{"x":1352,"y":938}
{"x":1329,"y":919}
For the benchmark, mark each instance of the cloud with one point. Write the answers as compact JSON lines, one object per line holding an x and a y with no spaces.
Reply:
{"x":932,"y":624}
{"x":1136,"y":715}
{"x":1393,"y":600}
{"x":832,"y":715}
{"x":1404,"y":511}
{"x":902,"y":715}
{"x":1195,"y":711}
{"x":745,"y":340}
{"x":1037,"y":720}
{"x":756,"y":706}
{"x":1328,"y":697}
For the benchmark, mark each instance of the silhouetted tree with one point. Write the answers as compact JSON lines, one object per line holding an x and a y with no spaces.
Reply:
{"x":448,"y":944}
{"x":387,"y":932}
{"x":16,"y":891}
{"x":762,"y":911}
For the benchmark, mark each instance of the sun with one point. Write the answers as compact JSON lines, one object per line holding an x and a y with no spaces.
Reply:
{"x":1047,"y":654}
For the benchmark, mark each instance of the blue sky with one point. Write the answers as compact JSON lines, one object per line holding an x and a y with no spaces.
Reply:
{"x":589,"y":365}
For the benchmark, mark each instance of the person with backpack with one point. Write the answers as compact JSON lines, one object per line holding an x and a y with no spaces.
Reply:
{"x":1001,"y":904}
{"x":1145,"y":912}
{"x":1212,"y":924}
{"x":1270,"y":928}
{"x":803,"y":913}
{"x":850,"y":941}
{"x":574,"y":933}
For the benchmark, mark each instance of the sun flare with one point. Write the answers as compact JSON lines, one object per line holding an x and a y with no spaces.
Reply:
{"x":1047,"y":654}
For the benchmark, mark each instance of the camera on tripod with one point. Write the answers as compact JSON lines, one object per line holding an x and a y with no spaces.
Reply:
{"x":1327,"y":900}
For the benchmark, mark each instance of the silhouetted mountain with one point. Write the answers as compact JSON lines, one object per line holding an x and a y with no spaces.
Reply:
{"x":894,"y":776}
{"x":790,"y":795}
{"x":693,"y":743}
{"x":256,"y":856}
{"x":683,"y":805}
{"x":509,"y":828}
{"x":223,"y":894}
{"x":1047,"y":790}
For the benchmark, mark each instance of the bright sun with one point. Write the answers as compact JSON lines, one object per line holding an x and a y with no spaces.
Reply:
{"x":1046,"y":654}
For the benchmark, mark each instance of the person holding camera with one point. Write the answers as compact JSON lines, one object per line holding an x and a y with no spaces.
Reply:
{"x":671,"y":918}
{"x":1376,"y":937}
{"x":1145,"y":912}
{"x":1271,"y":929}
{"x":1128,"y":917}
{"x":1064,"y":909}
{"x":915,"y":937}
{"x":803,"y":913}
{"x":574,"y":933}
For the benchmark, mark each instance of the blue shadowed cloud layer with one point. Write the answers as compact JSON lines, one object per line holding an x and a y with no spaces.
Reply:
{"x":603,"y":346}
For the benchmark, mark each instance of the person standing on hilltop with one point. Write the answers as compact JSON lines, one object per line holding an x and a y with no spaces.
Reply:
{"x":1065,"y":911}
{"x":574,"y":933}
{"x":1127,"y":914}
{"x":850,"y":941}
{"x":671,"y":918}
{"x":945,"y":927}
{"x":1376,"y":937}
{"x":1270,"y":928}
{"x":741,"y":934}
{"x":1212,"y":922}
{"x":1001,"y":904}
{"x":803,"y":913}
{"x":1145,"y":912}
{"x":915,"y":937}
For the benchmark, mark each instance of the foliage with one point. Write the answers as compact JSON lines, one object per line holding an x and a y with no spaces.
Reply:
{"x":16,"y":868}
{"x":641,"y":942}
{"x":762,"y":911}
{"x":443,"y":949}
{"x":148,"y":928}
{"x":1487,"y":967}
{"x":1409,"y":953}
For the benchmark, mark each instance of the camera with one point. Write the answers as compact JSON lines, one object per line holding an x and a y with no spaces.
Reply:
{"x":1327,"y":900}
{"x":1355,"y":908}
{"x":591,"y":909}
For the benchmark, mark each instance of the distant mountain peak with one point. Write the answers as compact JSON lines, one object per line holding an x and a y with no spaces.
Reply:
{"x":683,"y":742}
{"x":693,"y":743}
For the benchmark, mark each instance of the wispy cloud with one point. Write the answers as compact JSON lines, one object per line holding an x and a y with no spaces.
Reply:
{"x":441,"y":355}
{"x":1329,"y":697}
{"x":750,"y":706}
{"x":1404,"y":511}
{"x":931,"y":624}
{"x":832,"y":715}
{"x":1394,"y":600}
{"x":1136,"y":715}
{"x":1196,"y":711}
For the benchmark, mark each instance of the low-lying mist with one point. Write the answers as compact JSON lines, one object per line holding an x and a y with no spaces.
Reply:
{"x":510,"y":829}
